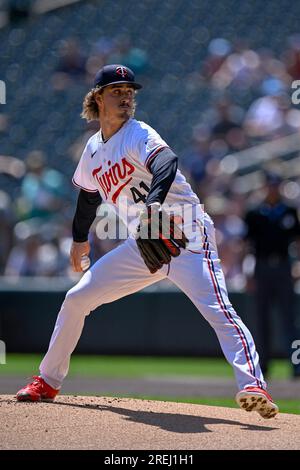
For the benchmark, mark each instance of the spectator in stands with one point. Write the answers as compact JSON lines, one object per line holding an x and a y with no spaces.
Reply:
{"x":271,"y":227}
{"x":23,"y":258}
{"x":71,"y":66}
{"x":194,"y":161}
{"x":238,"y":70}
{"x":264,"y":118}
{"x":228,"y":125}
{"x":131,"y":56}
{"x":6,"y":228}
{"x":39,"y":250}
{"x":291,"y":57}
{"x":99,"y":56}
{"x":218,"y":50}
{"x":4,"y":125}
{"x":229,"y":233}
{"x":42,"y":189}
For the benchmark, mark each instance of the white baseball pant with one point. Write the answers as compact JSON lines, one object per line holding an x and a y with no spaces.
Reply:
{"x":122,"y":272}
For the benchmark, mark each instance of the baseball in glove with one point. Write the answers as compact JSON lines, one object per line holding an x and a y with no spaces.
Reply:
{"x":159,"y":238}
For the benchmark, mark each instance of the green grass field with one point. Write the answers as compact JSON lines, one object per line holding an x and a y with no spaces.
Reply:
{"x":123,"y":366}
{"x":131,"y":366}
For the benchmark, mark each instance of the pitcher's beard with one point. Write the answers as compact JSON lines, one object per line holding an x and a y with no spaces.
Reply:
{"x":125,"y":114}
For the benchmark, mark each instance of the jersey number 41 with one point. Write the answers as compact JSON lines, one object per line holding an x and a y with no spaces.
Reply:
{"x":139,"y":196}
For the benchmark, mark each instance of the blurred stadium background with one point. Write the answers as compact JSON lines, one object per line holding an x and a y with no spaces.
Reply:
{"x":217,"y":86}
{"x":217,"y":81}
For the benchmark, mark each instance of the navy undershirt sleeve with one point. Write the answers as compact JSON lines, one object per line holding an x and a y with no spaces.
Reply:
{"x":163,"y":169}
{"x":85,"y":214}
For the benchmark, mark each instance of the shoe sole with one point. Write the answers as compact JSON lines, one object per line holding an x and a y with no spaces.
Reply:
{"x":255,"y":401}
{"x":29,"y":398}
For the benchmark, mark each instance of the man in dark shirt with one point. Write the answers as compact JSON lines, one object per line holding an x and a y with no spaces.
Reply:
{"x":271,"y":227}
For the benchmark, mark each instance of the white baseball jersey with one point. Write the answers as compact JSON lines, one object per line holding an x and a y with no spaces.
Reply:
{"x":119,"y":170}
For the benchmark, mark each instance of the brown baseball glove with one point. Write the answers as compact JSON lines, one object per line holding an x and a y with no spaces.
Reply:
{"x":159,"y":237}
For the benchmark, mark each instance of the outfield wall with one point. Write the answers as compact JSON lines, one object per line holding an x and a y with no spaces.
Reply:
{"x":151,"y":322}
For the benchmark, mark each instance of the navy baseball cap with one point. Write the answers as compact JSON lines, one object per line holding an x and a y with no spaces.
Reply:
{"x":115,"y":73}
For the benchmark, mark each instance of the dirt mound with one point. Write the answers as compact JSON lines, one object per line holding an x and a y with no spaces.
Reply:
{"x":75,"y":422}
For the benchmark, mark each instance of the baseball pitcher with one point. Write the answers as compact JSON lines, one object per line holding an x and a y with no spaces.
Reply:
{"x":128,"y":165}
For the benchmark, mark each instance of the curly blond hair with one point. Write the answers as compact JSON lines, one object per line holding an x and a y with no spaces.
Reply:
{"x":90,"y":109}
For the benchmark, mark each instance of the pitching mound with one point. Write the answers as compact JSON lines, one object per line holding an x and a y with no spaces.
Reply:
{"x":76,"y":422}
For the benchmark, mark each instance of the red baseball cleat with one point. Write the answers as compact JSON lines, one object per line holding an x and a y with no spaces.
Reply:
{"x":257,"y":399}
{"x":38,"y":390}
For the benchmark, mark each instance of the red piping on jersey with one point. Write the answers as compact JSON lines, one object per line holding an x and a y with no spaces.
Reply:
{"x":85,"y":189}
{"x":116,"y":194}
{"x":151,"y":156}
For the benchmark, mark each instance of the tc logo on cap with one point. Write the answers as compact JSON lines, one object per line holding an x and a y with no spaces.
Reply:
{"x":115,"y":73}
{"x":122,"y":71}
